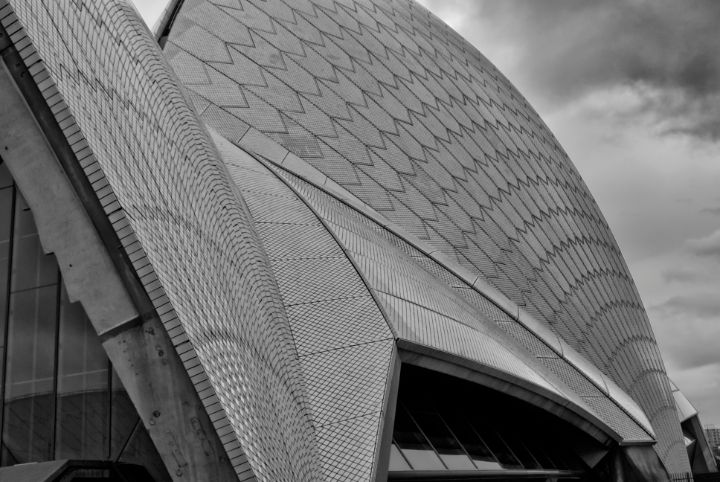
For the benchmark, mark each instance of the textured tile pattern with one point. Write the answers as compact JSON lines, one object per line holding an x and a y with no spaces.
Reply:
{"x":180,"y":221}
{"x":390,"y":103}
{"x":430,"y":306}
{"x":326,"y":332}
{"x":346,"y":447}
{"x":345,"y":345}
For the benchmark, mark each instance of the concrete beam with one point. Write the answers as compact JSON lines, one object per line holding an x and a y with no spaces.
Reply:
{"x":63,"y":224}
{"x":135,"y":340}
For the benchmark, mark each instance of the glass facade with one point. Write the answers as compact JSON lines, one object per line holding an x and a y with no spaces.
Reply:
{"x":59,"y":396}
{"x":447,"y":424}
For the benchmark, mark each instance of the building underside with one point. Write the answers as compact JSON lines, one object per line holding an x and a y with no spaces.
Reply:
{"x":305,"y":240}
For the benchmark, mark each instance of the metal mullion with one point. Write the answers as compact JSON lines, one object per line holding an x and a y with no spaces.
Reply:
{"x":475,"y":476}
{"x":400,"y":451}
{"x":426,"y":438}
{"x":6,"y":330}
{"x":24,"y":290}
{"x":482,"y":441}
{"x":109,"y":404}
{"x":127,"y":441}
{"x":58,"y":299}
{"x":461,"y":445}
{"x":502,"y":439}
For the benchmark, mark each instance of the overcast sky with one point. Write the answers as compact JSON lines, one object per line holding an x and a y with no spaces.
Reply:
{"x":631,"y":89}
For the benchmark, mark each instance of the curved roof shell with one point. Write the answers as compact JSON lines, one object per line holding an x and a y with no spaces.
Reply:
{"x":181,"y":224}
{"x":391,"y":104}
{"x":285,"y":280}
{"x":351,"y":286}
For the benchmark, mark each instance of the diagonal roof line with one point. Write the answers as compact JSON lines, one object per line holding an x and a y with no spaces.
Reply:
{"x":259,"y":143}
{"x":165,"y":22}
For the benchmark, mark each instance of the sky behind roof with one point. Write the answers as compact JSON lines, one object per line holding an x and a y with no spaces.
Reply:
{"x":631,"y":89}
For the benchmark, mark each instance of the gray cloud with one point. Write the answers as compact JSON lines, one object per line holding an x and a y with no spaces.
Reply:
{"x":682,"y":323}
{"x":563,"y":49}
{"x":682,"y":275}
{"x":707,"y":247}
{"x":700,"y":385}
{"x":711,"y":211}
{"x":150,"y":10}
{"x":703,"y":306}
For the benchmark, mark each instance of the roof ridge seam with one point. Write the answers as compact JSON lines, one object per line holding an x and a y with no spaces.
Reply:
{"x":308,"y":173}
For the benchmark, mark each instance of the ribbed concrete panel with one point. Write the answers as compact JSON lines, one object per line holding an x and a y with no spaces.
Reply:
{"x":347,"y":351}
{"x":180,"y":220}
{"x":392,"y":104}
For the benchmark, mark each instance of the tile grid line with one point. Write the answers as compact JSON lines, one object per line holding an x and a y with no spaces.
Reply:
{"x":272,"y":168}
{"x":129,"y":242}
{"x":306,"y":172}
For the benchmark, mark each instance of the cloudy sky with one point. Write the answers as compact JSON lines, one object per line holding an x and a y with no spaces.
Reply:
{"x":631,"y":88}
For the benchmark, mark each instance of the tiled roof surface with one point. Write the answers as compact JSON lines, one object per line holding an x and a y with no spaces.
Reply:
{"x":180,"y":221}
{"x":346,"y":349}
{"x":397,"y":108}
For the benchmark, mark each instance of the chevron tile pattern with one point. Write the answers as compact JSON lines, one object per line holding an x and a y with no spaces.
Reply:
{"x":392,"y":104}
{"x":345,"y":346}
{"x":430,"y":306}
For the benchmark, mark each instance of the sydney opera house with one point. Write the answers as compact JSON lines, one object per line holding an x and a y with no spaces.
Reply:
{"x":305,"y":240}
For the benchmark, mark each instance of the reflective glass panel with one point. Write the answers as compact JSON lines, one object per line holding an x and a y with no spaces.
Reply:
{"x":6,"y":206}
{"x":415,"y":447}
{"x":397,"y":461}
{"x":82,"y":385}
{"x":123,"y":417}
{"x":544,"y":458}
{"x":56,"y":402}
{"x":31,"y":266}
{"x":471,"y":427}
{"x":498,"y":447}
{"x":29,"y":382}
{"x":521,"y":451}
{"x":449,"y":450}
{"x":563,"y":459}
{"x":481,"y":456}
{"x":140,"y":450}
{"x":5,"y":177}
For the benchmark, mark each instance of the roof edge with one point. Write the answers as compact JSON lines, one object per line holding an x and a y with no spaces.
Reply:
{"x":76,"y":159}
{"x":164,"y":23}
{"x":74,"y":225}
{"x":257,"y":142}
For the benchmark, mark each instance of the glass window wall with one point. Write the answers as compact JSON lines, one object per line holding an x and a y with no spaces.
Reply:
{"x":59,"y":397}
{"x":414,"y":445}
{"x":447,"y":424}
